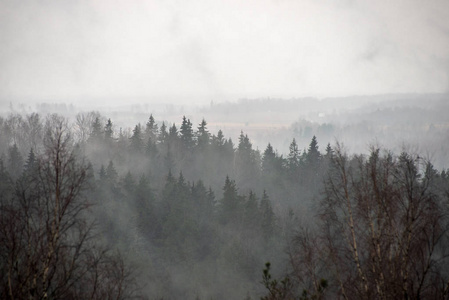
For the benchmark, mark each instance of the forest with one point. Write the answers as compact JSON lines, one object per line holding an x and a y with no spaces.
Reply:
{"x":174,"y":211}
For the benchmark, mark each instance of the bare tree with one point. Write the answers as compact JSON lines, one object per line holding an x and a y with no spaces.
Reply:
{"x":84,"y":123}
{"x":49,"y":248}
{"x":383,"y":229}
{"x":33,"y":130}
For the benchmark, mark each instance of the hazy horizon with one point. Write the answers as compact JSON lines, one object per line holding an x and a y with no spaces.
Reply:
{"x":204,"y":51}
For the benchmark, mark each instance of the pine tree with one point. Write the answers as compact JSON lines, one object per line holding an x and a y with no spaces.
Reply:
{"x":102,"y":173}
{"x":108,"y":131}
{"x":151,"y":129}
{"x":122,"y":143}
{"x":329,"y":151}
{"x":230,"y":203}
{"x":173,"y":133}
{"x":228,"y":148}
{"x":204,"y":200}
{"x":111,"y":173}
{"x":251,"y":212}
{"x":181,"y":180}
{"x":219,"y":140}
{"x":30,"y":164}
{"x":293,"y":158}
{"x":313,"y":154}
{"x":186,"y":133}
{"x":128,"y":183}
{"x":163,"y":135}
{"x":269,"y":159}
{"x":247,"y":162}
{"x":96,"y":135}
{"x":143,"y":192}
{"x":137,"y":145}
{"x":203,"y":135}
{"x":244,"y":146}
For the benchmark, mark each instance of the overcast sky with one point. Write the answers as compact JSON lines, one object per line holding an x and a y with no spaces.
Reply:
{"x":218,"y":49}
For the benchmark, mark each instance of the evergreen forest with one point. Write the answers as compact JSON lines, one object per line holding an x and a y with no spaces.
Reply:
{"x":174,"y":211}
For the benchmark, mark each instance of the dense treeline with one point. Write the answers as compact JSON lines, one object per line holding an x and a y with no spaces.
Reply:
{"x":201,"y":214}
{"x":49,"y":248}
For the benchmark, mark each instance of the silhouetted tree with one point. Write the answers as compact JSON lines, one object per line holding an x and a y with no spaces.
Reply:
{"x":173,"y":133}
{"x":230,"y":204}
{"x":137,"y":144}
{"x":108,"y":131}
{"x":247,"y":161}
{"x":48,"y":250}
{"x":163,"y":135}
{"x":111,"y":173}
{"x":313,"y":154}
{"x":203,"y":135}
{"x":186,"y":133}
{"x":96,"y":134}
{"x":128,"y":183}
{"x":151,"y":130}
{"x":30,"y":163}
{"x":293,"y":159}
{"x":251,"y":213}
{"x":383,"y":228}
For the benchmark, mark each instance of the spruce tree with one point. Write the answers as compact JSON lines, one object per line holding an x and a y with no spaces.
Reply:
{"x":111,"y":173}
{"x":294,"y":157}
{"x":247,"y":162}
{"x":244,"y":146}
{"x":329,"y":151}
{"x":219,"y":140}
{"x":128,"y":183}
{"x":108,"y":131}
{"x":313,"y":154}
{"x":269,"y":159}
{"x":173,"y":133}
{"x":163,"y":135}
{"x":151,"y":129}
{"x":251,"y":212}
{"x":230,"y":203}
{"x":203,"y":135}
{"x":96,"y":135}
{"x":137,"y":144}
{"x":102,"y":173}
{"x":186,"y":133}
{"x":30,"y":164}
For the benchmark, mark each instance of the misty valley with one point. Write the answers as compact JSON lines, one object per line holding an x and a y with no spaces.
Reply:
{"x":221,"y":150}
{"x":273,"y":199}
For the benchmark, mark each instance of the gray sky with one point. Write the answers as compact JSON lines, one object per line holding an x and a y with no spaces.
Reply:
{"x":218,"y":49}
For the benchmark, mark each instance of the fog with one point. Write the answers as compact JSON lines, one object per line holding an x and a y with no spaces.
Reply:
{"x":415,"y":122}
{"x":198,"y":51}
{"x":188,"y":143}
{"x":196,"y":199}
